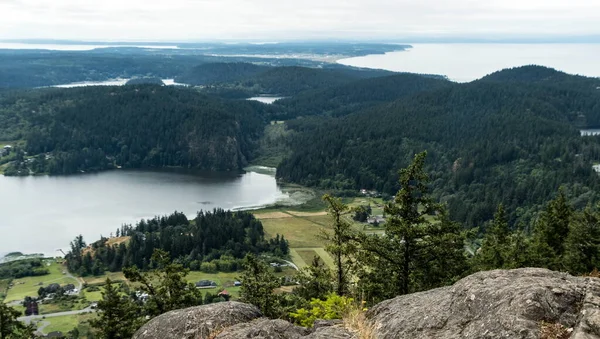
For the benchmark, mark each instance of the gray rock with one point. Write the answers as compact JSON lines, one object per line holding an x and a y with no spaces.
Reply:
{"x":494,"y":304}
{"x":198,"y":322}
{"x":264,"y":329}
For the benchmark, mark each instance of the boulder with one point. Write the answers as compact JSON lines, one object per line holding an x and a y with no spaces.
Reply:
{"x":264,"y":328}
{"x":198,"y":322}
{"x":494,"y":304}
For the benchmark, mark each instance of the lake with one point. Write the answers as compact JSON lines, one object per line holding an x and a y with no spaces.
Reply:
{"x":112,"y":82}
{"x":265,"y":99}
{"x":467,"y":62}
{"x":42,"y":214}
{"x":589,"y":132}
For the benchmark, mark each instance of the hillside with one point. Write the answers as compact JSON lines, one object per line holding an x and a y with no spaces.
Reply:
{"x":488,"y":143}
{"x":98,"y":128}
{"x":213,"y":73}
{"x":356,"y":95}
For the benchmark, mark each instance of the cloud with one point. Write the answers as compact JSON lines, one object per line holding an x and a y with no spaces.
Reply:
{"x":279,"y":19}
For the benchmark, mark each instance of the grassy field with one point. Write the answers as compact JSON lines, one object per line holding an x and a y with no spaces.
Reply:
{"x":300,"y":231}
{"x":29,"y":286}
{"x":65,"y":324}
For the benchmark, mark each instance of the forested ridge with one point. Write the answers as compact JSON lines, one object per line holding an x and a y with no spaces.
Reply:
{"x":146,"y":126}
{"x":490,"y":143}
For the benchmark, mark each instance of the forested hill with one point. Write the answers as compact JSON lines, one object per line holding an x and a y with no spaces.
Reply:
{"x":543,"y":76}
{"x":285,"y":81}
{"x":487,"y":142}
{"x":341,"y":100}
{"x":213,"y":73}
{"x":96,"y":128}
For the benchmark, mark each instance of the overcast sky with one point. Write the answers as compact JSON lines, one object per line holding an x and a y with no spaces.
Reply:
{"x":195,"y":20}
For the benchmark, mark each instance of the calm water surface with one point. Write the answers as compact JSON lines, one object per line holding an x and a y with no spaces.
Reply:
{"x":43,"y":214}
{"x":112,"y":82}
{"x":265,"y":99}
{"x":467,"y":62}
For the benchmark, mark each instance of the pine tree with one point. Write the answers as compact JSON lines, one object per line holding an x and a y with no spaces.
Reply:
{"x":315,"y":281}
{"x":166,"y":285}
{"x":10,"y":327}
{"x":258,"y":284}
{"x":582,"y":245}
{"x":341,"y":244}
{"x":119,"y":317}
{"x":493,"y":252}
{"x":550,"y":231}
{"x":422,"y":247}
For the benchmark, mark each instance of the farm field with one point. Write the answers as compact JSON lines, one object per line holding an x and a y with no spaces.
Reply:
{"x":28,"y":286}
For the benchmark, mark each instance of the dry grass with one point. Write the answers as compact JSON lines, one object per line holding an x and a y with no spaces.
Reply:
{"x":356,"y":322}
{"x":307,"y":214}
{"x":272,"y":215}
{"x":554,"y":331}
{"x":117,"y":241}
{"x":594,"y":274}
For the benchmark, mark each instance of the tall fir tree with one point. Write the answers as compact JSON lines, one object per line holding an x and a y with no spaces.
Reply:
{"x":165,"y":285}
{"x":582,"y":245}
{"x":550,"y":232}
{"x":493,"y":252}
{"x":119,"y":317}
{"x":10,"y":327}
{"x":422,"y":247}
{"x":340,"y":242}
{"x":258,"y":284}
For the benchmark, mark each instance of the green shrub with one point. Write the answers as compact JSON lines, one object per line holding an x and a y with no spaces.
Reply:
{"x":334,"y":307}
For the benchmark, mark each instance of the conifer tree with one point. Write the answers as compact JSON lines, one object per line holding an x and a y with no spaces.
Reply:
{"x":340,"y":243}
{"x":119,"y":317}
{"x":550,"y":232}
{"x":166,"y":285}
{"x":258,"y":284}
{"x":421,"y":248}
{"x":494,"y":247}
{"x":316,"y":281}
{"x":10,"y":327}
{"x":582,"y":245}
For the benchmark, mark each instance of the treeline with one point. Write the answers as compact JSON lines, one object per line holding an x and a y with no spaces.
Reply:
{"x":213,"y":241}
{"x":23,"y":268}
{"x":356,"y":95}
{"x":96,"y":128}
{"x":489,"y":143}
{"x":233,"y":80}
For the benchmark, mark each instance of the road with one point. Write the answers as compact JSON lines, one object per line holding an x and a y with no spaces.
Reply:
{"x":30,"y":318}
{"x":292,"y":265}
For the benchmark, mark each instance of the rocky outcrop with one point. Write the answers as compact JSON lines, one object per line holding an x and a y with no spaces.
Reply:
{"x":198,"y":322}
{"x":494,"y":304}
{"x":232,"y":320}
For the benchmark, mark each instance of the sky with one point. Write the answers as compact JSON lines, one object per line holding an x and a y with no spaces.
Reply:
{"x":202,"y":20}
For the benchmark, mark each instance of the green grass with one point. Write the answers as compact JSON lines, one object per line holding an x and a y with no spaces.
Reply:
{"x":101,"y":279}
{"x":93,"y":296}
{"x":29,"y":286}
{"x":63,"y":306}
{"x":299,"y":231}
{"x":307,"y":254}
{"x":65,"y":324}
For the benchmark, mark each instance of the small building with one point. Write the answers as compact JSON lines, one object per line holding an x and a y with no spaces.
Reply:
{"x":237,"y":283}
{"x":206,"y":284}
